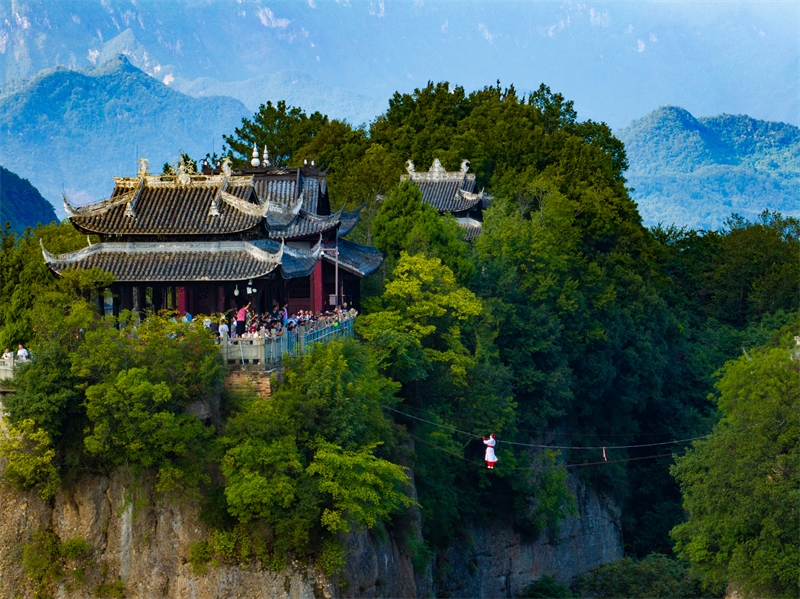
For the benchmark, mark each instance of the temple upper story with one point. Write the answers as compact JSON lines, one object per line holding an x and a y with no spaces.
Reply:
{"x":204,"y":235}
{"x":281,"y":203}
{"x":451,"y":192}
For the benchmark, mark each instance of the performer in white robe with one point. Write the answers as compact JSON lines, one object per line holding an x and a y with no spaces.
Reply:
{"x":491,"y":458}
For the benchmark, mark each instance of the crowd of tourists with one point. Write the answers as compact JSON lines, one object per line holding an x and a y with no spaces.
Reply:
{"x":247,"y":323}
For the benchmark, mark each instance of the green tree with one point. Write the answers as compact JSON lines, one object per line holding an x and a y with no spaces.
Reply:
{"x":741,"y":486}
{"x":363,"y":489}
{"x":305,"y":461}
{"x":656,"y":576}
{"x":24,"y":276}
{"x":420,"y":324}
{"x":30,"y":455}
{"x":133,"y":422}
{"x":405,"y":223}
{"x":283,"y":129}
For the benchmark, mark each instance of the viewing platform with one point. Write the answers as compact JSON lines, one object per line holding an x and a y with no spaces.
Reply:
{"x":265,"y":353}
{"x":252,"y":353}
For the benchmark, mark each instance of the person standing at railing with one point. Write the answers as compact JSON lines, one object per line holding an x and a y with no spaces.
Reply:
{"x":22,"y":354}
{"x":241,"y":318}
{"x":8,"y":357}
{"x":224,"y":330}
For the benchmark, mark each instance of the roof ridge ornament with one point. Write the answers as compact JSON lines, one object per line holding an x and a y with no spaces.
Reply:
{"x":250,"y":209}
{"x":130,"y":207}
{"x":214,"y":209}
{"x":464,"y":166}
{"x":226,"y":166}
{"x":410,"y":167}
{"x":255,"y":161}
{"x":184,"y":176}
{"x":144,"y":167}
{"x":437,"y":171}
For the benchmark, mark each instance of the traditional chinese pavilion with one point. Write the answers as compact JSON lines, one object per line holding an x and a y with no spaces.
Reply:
{"x":451,"y":192}
{"x":212,"y":241}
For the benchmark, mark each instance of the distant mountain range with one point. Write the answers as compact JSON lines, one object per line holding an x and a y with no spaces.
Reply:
{"x":616,"y":60}
{"x":296,"y":88}
{"x":21,"y":204}
{"x":74,"y":130}
{"x":697,"y":171}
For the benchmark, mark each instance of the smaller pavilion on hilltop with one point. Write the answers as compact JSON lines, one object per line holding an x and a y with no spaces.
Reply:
{"x":213,"y":241}
{"x":451,"y":192}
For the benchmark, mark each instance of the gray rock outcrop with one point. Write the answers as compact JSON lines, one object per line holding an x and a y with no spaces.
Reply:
{"x":143,"y":540}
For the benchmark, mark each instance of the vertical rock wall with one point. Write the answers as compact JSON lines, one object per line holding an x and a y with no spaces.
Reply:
{"x":491,"y":561}
{"x":137,"y":539}
{"x":144,"y":541}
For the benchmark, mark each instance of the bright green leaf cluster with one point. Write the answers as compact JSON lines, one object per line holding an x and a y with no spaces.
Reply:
{"x":741,"y":486}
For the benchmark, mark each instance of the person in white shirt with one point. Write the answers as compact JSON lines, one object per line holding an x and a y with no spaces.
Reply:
{"x":7,"y":356}
{"x":224,"y":330}
{"x":491,"y":458}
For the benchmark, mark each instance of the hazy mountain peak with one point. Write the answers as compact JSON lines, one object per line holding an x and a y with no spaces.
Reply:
{"x":95,"y":124}
{"x":673,"y":139}
{"x":116,"y":65}
{"x":697,"y":171}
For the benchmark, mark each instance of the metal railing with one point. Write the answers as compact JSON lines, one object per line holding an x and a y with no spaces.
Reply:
{"x":270,"y":350}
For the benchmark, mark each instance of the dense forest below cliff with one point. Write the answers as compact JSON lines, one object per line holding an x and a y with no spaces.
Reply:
{"x":566,"y":328}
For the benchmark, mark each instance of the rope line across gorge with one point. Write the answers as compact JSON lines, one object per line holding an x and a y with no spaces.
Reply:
{"x":555,"y":433}
{"x":575,"y":465}
{"x":540,"y":446}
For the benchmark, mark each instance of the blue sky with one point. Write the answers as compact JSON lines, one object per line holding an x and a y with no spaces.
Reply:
{"x":616,"y":60}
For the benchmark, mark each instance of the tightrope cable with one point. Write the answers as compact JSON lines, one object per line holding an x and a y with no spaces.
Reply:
{"x":540,"y":446}
{"x":575,"y":465}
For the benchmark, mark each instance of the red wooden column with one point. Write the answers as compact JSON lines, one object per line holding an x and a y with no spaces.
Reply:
{"x":182,"y":300}
{"x":317,"y":290}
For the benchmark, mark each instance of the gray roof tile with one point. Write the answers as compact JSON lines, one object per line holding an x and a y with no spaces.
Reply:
{"x":171,"y":262}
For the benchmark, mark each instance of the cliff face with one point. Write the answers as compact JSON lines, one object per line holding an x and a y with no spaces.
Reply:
{"x":491,"y":561}
{"x":143,"y":541}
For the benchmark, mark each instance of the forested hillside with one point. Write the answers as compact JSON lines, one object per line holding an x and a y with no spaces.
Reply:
{"x":78,"y":129}
{"x":21,"y":204}
{"x":587,"y":342}
{"x":697,"y":171}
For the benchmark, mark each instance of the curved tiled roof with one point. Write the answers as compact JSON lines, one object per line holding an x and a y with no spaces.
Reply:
{"x":295,"y":262}
{"x":283,"y":186}
{"x":472,"y":227}
{"x":447,"y":191}
{"x":171,"y":262}
{"x":305,"y":225}
{"x":350,"y":220}
{"x":362,"y":260}
{"x":152,"y":206}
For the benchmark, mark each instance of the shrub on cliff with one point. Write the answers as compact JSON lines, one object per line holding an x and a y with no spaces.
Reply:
{"x":655,"y":577}
{"x":740,"y":485}
{"x":311,"y":460}
{"x":110,"y":392}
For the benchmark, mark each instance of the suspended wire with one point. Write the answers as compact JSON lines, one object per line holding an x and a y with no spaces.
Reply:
{"x":560,"y":433}
{"x":540,"y":446}
{"x":576,"y":465}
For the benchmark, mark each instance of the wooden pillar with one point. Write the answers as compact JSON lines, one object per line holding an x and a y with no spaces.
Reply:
{"x":317,"y":288}
{"x":182,"y":301}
